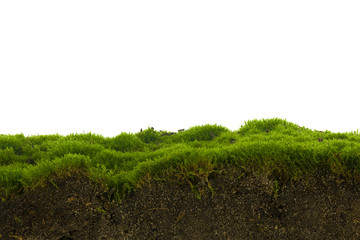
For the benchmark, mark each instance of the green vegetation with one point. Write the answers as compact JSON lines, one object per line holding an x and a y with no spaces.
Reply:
{"x":275,"y":148}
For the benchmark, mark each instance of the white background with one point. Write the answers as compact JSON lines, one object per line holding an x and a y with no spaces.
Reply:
{"x":108,"y":67}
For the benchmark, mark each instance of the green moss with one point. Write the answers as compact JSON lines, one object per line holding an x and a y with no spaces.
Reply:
{"x":275,"y":148}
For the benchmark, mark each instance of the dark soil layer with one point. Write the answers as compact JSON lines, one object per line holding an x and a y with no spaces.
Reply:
{"x":240,"y":208}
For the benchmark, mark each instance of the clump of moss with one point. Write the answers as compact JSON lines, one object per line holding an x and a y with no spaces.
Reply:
{"x":275,"y":148}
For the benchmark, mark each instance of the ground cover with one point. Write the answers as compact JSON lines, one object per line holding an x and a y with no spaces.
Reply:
{"x":133,"y":185}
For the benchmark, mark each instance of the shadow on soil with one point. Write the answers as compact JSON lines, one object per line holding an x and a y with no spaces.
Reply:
{"x":242,"y":207}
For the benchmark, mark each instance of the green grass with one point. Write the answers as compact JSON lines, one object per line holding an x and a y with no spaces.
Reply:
{"x":275,"y":148}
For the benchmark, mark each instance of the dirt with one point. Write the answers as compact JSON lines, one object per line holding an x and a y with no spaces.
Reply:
{"x":240,"y":207}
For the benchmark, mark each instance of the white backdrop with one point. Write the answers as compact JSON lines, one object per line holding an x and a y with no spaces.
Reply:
{"x":118,"y":66}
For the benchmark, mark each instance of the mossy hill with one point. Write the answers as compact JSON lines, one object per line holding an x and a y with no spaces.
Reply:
{"x":270,"y":179}
{"x":277,"y":149}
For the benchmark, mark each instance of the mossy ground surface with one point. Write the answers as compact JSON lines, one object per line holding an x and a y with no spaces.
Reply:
{"x":271,"y":179}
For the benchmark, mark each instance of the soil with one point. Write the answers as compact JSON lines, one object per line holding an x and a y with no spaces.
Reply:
{"x":240,"y":207}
